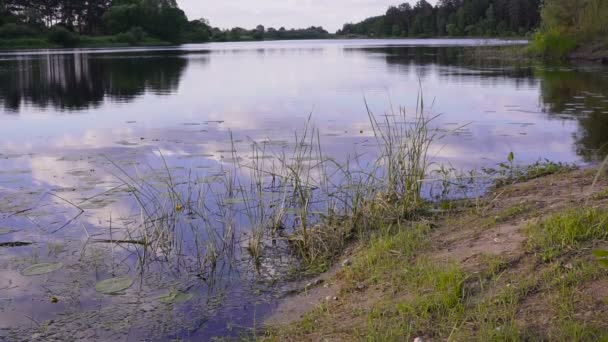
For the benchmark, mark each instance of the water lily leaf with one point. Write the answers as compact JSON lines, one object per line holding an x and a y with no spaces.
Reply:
{"x":4,"y":231}
{"x":234,"y":200}
{"x":40,"y":269}
{"x":114,"y":285}
{"x":176,"y":297}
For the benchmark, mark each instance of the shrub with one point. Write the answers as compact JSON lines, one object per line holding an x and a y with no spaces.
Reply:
{"x":12,"y":31}
{"x":553,"y":45}
{"x":132,"y":37}
{"x":62,"y":36}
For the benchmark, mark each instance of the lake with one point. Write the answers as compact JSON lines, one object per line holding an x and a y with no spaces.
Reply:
{"x":142,"y":165}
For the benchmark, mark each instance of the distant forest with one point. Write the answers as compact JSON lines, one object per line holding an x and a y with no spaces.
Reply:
{"x":115,"y":22}
{"x":455,"y":18}
{"x":559,"y":27}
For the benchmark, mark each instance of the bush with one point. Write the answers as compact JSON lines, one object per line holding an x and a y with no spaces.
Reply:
{"x":12,"y":31}
{"x":132,"y":37}
{"x":62,"y":36}
{"x":553,"y":45}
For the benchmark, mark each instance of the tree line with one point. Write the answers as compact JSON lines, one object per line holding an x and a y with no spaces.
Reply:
{"x":451,"y":18}
{"x":65,"y":22}
{"x":161,"y":19}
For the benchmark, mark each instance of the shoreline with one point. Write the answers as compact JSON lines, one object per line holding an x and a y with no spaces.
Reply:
{"x":502,"y":250}
{"x":44,"y":45}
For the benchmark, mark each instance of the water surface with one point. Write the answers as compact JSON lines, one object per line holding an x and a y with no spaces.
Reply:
{"x":75,"y":123}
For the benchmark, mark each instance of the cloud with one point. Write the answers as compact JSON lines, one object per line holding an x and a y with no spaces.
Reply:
{"x":288,"y":13}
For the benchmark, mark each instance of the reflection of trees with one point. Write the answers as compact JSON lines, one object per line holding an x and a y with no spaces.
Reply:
{"x":80,"y":81}
{"x":578,"y":94}
{"x":561,"y":89}
{"x":425,"y":60}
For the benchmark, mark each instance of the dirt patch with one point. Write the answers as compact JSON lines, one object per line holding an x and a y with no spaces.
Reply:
{"x":496,"y":227}
{"x":596,"y":51}
{"x":318,"y":290}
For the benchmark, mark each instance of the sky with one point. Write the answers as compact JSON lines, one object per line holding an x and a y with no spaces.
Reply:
{"x":331,"y":14}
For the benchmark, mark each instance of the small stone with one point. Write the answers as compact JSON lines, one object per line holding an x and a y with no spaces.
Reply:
{"x":315,"y":283}
{"x":418,"y":339}
{"x":335,"y":298}
{"x":569,"y":266}
{"x":328,"y":298}
{"x":346,"y":263}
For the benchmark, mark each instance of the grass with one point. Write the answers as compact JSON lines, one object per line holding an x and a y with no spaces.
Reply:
{"x":26,"y":43}
{"x":387,"y":248}
{"x":284,"y":196}
{"x":436,"y":291}
{"x":567,"y":231}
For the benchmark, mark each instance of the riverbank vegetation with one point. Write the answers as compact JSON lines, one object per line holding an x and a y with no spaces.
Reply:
{"x":517,"y":264}
{"x":576,"y":29}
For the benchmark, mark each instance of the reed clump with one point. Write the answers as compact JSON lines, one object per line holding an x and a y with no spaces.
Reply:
{"x":288,"y":195}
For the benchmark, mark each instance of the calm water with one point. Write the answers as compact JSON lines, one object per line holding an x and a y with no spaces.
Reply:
{"x":74,"y":123}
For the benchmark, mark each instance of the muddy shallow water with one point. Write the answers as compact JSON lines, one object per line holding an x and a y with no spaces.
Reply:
{"x":93,"y":143}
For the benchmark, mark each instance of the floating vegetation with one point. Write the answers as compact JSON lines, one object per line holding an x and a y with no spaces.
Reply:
{"x":176,"y":297}
{"x":211,"y":179}
{"x":15,"y":244}
{"x":126,"y":143}
{"x":80,"y":172}
{"x":232,"y":160}
{"x":114,"y":286}
{"x":199,"y":155}
{"x":40,"y":269}
{"x":131,"y":242}
{"x":234,"y":200}
{"x":15,"y":172}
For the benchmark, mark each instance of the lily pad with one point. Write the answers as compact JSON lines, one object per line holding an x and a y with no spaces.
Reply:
{"x":114,"y":285}
{"x":40,"y":269}
{"x":176,"y":297}
{"x":4,"y":231}
{"x":234,"y":200}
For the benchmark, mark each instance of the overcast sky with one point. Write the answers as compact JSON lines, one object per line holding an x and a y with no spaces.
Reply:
{"x":330,"y":14}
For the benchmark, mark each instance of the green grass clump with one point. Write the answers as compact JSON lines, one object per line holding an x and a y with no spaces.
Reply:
{"x":434,"y":304}
{"x":567,"y":230}
{"x":386,"y":251}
